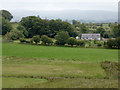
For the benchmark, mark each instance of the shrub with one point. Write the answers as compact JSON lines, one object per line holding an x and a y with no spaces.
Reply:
{"x":22,"y":40}
{"x":28,"y":42}
{"x":81,"y":43}
{"x":14,"y":35}
{"x":57,"y":43}
{"x":46,"y":40}
{"x":62,"y":38}
{"x":110,"y":43}
{"x":72,"y":41}
{"x":99,"y":44}
{"x":31,"y":41}
{"x":114,"y":43}
{"x":36,"y":39}
{"x":118,"y":42}
{"x":95,"y":41}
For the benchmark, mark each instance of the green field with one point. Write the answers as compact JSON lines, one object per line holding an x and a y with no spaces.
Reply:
{"x":62,"y":53}
{"x":31,"y":66}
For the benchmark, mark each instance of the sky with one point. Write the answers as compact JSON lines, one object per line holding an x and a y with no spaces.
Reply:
{"x":92,"y":10}
{"x":56,"y":5}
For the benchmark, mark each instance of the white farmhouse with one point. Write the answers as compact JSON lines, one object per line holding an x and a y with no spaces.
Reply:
{"x":90,"y":37}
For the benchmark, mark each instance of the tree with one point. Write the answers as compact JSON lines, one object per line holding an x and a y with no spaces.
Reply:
{"x":72,"y":41}
{"x":35,"y":26}
{"x":44,"y":28}
{"x":101,"y":31}
{"x":6,"y":26}
{"x":36,"y":39}
{"x":69,"y":28}
{"x":6,"y":14}
{"x":116,"y":31}
{"x":62,"y":38}
{"x":14,"y":35}
{"x":22,"y":28}
{"x":83,"y":28}
{"x":56,"y":26}
{"x":46,"y":40}
{"x":75,"y":23}
{"x":30,"y":24}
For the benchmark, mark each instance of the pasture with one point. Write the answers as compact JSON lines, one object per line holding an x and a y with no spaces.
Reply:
{"x":35,"y":66}
{"x":62,"y":53}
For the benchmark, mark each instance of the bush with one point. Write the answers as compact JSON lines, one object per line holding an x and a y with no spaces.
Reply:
{"x":81,"y":43}
{"x":72,"y":41}
{"x":28,"y":42}
{"x":114,"y":43}
{"x":118,"y":42}
{"x":46,"y":40}
{"x":110,"y":43}
{"x":95,"y":41}
{"x":31,"y":41}
{"x":62,"y":38}
{"x":36,"y":39}
{"x":99,"y":44}
{"x":22,"y":40}
{"x":14,"y":35}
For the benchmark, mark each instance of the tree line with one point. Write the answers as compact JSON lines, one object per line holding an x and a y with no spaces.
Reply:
{"x":62,"y":31}
{"x":114,"y":31}
{"x":33,"y":25}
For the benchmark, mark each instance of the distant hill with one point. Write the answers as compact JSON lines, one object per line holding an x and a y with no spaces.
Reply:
{"x":81,"y":15}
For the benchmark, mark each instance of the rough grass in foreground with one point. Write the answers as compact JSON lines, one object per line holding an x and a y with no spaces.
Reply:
{"x":34,"y":66}
{"x":45,"y":73}
{"x":63,"y":83}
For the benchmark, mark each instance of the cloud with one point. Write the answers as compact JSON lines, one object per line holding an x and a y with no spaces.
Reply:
{"x":65,"y":9}
{"x":51,"y":5}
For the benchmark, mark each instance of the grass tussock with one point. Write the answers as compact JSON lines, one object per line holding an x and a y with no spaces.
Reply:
{"x":111,"y":69}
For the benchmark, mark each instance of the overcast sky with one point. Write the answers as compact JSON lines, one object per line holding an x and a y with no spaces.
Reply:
{"x":56,"y":5}
{"x":63,"y":9}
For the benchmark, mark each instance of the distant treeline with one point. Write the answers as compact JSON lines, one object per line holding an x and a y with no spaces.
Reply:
{"x":37,"y":26}
{"x":62,"y":31}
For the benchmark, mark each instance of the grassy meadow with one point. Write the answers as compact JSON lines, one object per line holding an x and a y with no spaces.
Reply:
{"x":35,"y":66}
{"x":62,"y":53}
